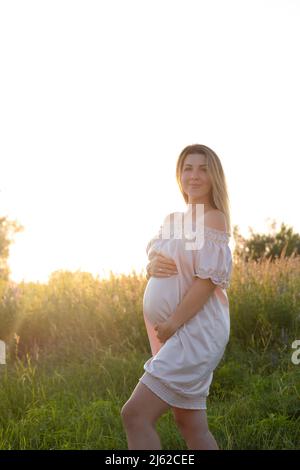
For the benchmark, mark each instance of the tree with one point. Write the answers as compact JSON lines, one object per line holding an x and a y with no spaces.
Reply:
{"x":284,"y":243}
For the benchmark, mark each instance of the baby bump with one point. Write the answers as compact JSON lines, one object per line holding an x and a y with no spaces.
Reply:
{"x":161,"y":297}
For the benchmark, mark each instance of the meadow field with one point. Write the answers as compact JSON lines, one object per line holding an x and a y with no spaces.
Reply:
{"x":75,"y":349}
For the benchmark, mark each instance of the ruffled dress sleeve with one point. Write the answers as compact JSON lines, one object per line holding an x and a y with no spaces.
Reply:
{"x":214,"y":259}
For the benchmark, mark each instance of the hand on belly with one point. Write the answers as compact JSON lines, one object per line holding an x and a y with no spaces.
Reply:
{"x":165,"y":330}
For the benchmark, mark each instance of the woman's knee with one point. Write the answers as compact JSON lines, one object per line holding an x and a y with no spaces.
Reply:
{"x":143,"y":407}
{"x":129,"y":413}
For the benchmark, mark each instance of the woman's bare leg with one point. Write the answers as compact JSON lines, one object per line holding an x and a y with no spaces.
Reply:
{"x":194,"y":429}
{"x":139,"y":415}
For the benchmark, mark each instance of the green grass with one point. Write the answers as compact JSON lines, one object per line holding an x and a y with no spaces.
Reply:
{"x":77,"y":405}
{"x":76,"y":349}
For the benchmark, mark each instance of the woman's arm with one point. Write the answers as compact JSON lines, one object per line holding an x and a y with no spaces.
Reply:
{"x":198,"y":294}
{"x":193,"y":301}
{"x":201,"y":289}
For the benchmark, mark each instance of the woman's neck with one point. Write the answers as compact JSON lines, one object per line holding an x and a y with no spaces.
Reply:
{"x":195,"y":208}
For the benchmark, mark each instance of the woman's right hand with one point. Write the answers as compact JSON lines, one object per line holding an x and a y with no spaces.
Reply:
{"x":161,"y":266}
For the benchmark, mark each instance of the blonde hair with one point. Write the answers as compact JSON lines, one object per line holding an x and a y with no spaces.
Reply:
{"x":220,"y":199}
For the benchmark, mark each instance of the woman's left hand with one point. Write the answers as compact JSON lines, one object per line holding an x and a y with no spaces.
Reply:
{"x":164,"y":330}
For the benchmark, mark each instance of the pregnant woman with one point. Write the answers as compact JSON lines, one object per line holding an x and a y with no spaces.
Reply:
{"x":185,"y":307}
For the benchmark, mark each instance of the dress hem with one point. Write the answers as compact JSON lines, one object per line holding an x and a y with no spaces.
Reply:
{"x":172,"y":398}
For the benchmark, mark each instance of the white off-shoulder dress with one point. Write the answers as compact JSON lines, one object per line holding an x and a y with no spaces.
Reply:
{"x":180,"y":370}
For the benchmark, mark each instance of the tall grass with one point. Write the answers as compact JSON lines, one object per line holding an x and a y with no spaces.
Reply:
{"x":76,"y":348}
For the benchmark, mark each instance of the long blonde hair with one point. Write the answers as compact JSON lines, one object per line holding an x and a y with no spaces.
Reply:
{"x":220,"y":199}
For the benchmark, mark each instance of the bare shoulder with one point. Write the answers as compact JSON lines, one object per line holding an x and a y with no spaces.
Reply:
{"x":216,"y":219}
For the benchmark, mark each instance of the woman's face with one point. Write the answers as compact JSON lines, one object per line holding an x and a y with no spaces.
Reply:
{"x":195,"y":180}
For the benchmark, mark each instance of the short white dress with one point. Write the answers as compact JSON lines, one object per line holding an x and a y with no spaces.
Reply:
{"x":180,"y":370}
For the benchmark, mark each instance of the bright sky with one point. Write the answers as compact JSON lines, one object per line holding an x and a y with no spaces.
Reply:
{"x":97,"y":100}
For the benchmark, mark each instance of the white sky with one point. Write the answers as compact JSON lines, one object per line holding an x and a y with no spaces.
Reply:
{"x":97,"y":100}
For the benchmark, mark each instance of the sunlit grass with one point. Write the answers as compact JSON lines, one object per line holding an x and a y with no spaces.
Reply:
{"x":76,"y":349}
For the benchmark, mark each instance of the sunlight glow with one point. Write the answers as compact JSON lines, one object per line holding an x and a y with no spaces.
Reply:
{"x":95,"y":109}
